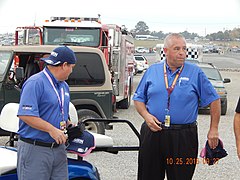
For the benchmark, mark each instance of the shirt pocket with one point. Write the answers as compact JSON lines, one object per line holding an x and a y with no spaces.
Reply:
{"x":183,"y":82}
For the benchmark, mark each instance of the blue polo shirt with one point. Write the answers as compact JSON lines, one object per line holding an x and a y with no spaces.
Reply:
{"x":39,"y":99}
{"x":193,"y":89}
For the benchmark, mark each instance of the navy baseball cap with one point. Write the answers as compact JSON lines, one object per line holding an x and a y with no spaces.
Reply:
{"x":82,"y":145}
{"x":213,"y":155}
{"x":60,"y":55}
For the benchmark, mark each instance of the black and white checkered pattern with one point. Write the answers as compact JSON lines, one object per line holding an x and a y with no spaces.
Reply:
{"x":191,"y":53}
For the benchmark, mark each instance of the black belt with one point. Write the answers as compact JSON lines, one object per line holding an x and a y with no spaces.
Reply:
{"x":179,"y":126}
{"x":39,"y":143}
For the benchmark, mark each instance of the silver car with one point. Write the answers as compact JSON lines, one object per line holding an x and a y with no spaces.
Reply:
{"x":217,"y":81}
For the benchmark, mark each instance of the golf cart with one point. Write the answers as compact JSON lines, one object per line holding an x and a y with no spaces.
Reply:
{"x":78,"y":168}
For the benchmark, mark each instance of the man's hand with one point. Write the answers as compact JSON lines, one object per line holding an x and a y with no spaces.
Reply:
{"x":40,"y":124}
{"x":213,"y":138}
{"x":152,"y":123}
{"x":58,"y":135}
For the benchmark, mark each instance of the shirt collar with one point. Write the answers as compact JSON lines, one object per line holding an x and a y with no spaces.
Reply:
{"x":55,"y":81}
{"x":170,"y":71}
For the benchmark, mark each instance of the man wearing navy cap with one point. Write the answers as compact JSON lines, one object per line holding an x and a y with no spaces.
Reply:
{"x":43,"y":113}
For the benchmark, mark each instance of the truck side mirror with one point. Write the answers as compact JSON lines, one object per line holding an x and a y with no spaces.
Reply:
{"x":19,"y":73}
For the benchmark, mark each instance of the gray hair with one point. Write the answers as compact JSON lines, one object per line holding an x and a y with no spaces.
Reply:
{"x":168,"y":39}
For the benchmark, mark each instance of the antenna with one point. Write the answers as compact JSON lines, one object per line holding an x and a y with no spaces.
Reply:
{"x":34,"y":23}
{"x":99,"y":17}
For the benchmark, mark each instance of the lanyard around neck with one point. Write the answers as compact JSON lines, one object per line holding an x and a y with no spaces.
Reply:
{"x":171,"y":88}
{"x":61,"y":102}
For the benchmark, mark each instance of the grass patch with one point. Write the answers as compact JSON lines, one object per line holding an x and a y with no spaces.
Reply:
{"x":147,"y":43}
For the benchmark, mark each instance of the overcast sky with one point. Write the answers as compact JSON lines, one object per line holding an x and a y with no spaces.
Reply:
{"x":199,"y":16}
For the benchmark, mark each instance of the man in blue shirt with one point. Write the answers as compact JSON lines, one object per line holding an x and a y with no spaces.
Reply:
{"x":43,"y":113}
{"x":168,"y":97}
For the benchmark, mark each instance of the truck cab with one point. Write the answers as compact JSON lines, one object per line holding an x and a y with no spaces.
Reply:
{"x":90,"y":82}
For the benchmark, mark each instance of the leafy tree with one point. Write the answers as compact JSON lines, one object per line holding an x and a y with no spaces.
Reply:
{"x":188,"y":35}
{"x":159,"y":34}
{"x":235,"y":33}
{"x":227,"y":35}
{"x":141,"y":28}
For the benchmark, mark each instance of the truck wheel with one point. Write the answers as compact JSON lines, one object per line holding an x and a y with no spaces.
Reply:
{"x":125,"y":103}
{"x":96,"y":127}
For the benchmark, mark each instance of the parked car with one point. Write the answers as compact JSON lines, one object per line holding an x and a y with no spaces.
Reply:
{"x":138,"y":67}
{"x":217,"y":81}
{"x":141,"y":63}
{"x":205,"y":50}
{"x":142,"y":50}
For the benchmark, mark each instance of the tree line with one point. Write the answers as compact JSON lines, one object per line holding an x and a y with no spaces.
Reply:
{"x":141,"y":28}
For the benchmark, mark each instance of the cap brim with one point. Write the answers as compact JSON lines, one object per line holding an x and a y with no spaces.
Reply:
{"x":49,"y":61}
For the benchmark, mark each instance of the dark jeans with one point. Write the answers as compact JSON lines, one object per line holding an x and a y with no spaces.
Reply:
{"x":170,"y":151}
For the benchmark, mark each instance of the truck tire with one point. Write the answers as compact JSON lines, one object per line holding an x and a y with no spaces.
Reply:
{"x":125,"y":103}
{"x":96,"y":127}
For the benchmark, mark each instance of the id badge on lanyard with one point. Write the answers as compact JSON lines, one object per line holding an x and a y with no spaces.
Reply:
{"x":167,"y":119}
{"x":63,"y":125}
{"x":170,"y":89}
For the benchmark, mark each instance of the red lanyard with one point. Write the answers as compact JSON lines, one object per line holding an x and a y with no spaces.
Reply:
{"x":170,"y":89}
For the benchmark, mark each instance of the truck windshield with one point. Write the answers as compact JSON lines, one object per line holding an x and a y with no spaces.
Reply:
{"x":73,"y":36}
{"x":4,"y":59}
